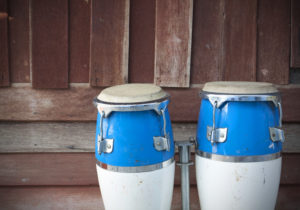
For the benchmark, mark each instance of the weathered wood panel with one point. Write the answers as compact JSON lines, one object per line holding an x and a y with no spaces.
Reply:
{"x":208,"y":26}
{"x":61,"y":198}
{"x":75,"y":104}
{"x":173,"y":36}
{"x":79,"y":137}
{"x":142,"y":34}
{"x":79,"y":169}
{"x":89,"y":197}
{"x":49,"y":198}
{"x":273,"y":41}
{"x":49,"y":43}
{"x":48,"y":169}
{"x":109,"y":44}
{"x":290,"y":103}
{"x":4,"y":68}
{"x":295,"y":34}
{"x":80,"y":15}
{"x":19,"y":40}
{"x":239,"y":45}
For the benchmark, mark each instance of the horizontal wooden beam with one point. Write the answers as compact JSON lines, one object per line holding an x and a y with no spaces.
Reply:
{"x":48,"y":137}
{"x":22,"y":103}
{"x":88,"y":197}
{"x":46,"y":169}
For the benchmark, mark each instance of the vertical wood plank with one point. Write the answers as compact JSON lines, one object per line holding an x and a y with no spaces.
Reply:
{"x":295,"y":34}
{"x":273,"y":41}
{"x":19,"y":40}
{"x":109,"y":43}
{"x":141,"y":48}
{"x":173,"y":36}
{"x":50,"y":43}
{"x":208,"y":25}
{"x":80,"y":12}
{"x":239,"y":49}
{"x":4,"y":67}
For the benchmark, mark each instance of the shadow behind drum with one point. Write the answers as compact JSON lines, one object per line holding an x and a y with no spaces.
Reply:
{"x":134,"y":147}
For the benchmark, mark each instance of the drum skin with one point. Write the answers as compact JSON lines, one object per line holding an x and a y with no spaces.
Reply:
{"x":133,"y":134}
{"x":238,"y":185}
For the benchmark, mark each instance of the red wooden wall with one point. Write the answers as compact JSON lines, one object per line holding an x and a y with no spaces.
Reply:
{"x":178,"y":45}
{"x":56,"y":55}
{"x":53,"y":43}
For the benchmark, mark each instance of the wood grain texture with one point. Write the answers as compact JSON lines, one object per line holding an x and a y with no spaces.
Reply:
{"x":79,"y":136}
{"x":141,"y":48}
{"x":239,"y":41}
{"x":208,"y":26}
{"x":4,"y":65}
{"x":19,"y":40}
{"x":89,"y":197}
{"x":295,"y":34}
{"x":50,"y":43}
{"x":75,"y":104}
{"x":273,"y":41}
{"x":46,"y":169}
{"x":109,"y":43}
{"x":290,"y":103}
{"x":79,"y":29}
{"x":61,"y":198}
{"x":173,"y":36}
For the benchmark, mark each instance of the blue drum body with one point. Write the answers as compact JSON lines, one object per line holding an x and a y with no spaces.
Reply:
{"x":248,"y":128}
{"x":133,"y":133}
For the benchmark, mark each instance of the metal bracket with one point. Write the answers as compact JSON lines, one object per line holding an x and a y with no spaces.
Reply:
{"x":276,"y":134}
{"x":104,"y":145}
{"x":162,"y":143}
{"x":216,"y":135}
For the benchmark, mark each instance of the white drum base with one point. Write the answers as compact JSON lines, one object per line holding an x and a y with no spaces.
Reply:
{"x":243,"y":186}
{"x":151,"y":190}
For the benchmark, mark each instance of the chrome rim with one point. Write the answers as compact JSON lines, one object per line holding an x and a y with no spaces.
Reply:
{"x":226,"y":158}
{"x":135,"y":169}
{"x":222,"y":98}
{"x":107,"y":108}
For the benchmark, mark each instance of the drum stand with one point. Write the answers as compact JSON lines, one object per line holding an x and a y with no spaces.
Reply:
{"x":184,"y":162}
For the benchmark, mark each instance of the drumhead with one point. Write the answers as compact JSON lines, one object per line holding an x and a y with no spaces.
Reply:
{"x":132,"y":93}
{"x":229,"y":87}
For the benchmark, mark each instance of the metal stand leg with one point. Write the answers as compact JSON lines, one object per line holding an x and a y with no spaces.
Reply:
{"x":184,"y":163}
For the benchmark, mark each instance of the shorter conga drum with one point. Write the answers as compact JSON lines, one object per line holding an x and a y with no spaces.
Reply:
{"x":239,"y":140}
{"x":134,"y":147}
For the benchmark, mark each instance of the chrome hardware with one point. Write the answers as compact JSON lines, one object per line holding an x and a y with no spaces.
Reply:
{"x":162,"y":142}
{"x":108,"y":108}
{"x":184,"y":162}
{"x":136,"y":169}
{"x":104,"y":145}
{"x":237,"y":159}
{"x":222,"y":98}
{"x":213,"y":134}
{"x":276,"y":134}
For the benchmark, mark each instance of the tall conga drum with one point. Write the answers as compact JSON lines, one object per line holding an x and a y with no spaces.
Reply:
{"x":239,"y":140}
{"x":134,"y":147}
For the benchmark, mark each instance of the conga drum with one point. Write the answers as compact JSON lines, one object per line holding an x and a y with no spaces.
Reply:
{"x":134,"y":147}
{"x":239,"y":140}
